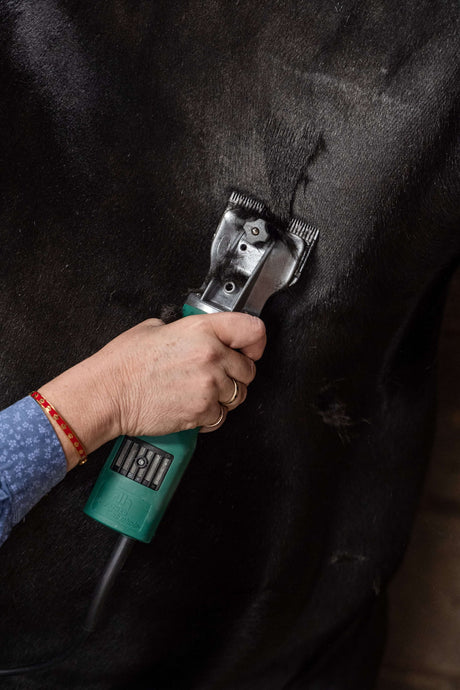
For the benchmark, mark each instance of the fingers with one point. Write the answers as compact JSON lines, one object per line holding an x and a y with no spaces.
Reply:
{"x":237,"y":396}
{"x":240,"y":331}
{"x":231,"y":394}
{"x":235,"y":369}
{"x":217,"y":421}
{"x":164,"y":378}
{"x":238,"y":366}
{"x":226,"y":403}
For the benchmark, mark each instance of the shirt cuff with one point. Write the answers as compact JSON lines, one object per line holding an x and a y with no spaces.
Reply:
{"x":32,"y":460}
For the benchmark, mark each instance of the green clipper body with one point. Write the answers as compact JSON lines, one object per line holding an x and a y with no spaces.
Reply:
{"x":250,"y":260}
{"x":140,"y":477}
{"x":129,"y":506}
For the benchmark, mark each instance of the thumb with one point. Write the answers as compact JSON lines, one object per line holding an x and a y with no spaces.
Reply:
{"x":240,"y":331}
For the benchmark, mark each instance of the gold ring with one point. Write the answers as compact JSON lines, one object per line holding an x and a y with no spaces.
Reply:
{"x":221,"y":416}
{"x":235,"y":393}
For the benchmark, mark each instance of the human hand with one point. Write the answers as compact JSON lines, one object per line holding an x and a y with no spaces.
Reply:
{"x":165,"y":378}
{"x":156,"y":379}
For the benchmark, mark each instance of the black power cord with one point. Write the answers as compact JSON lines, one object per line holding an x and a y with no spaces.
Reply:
{"x":106,"y":581}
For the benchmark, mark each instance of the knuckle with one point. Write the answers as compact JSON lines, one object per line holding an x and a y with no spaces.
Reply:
{"x":190,"y":422}
{"x":204,"y":404}
{"x":210,"y":353}
{"x":197,"y":322}
{"x":201,"y":407}
{"x":208,"y":384}
{"x":152,"y":322}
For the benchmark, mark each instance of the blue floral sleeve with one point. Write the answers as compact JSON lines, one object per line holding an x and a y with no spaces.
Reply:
{"x":32,"y":461}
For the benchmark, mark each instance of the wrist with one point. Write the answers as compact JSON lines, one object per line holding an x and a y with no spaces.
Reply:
{"x":80,"y":398}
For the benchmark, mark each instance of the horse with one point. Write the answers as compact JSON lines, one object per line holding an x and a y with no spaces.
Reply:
{"x":125,"y":126}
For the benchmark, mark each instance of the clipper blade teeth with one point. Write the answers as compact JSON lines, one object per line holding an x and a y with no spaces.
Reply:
{"x":304,"y":230}
{"x":248,"y":202}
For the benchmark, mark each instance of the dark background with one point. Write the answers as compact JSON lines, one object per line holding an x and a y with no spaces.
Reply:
{"x":423,"y":651}
{"x":124,"y":127}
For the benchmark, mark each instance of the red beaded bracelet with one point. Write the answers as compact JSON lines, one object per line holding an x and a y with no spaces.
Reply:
{"x":64,"y":426}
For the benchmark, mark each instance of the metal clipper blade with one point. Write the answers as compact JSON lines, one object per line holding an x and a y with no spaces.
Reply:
{"x":252,"y":257}
{"x":248,"y":202}
{"x":309,"y":235}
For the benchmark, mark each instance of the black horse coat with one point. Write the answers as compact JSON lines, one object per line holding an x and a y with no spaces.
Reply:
{"x":124,"y":126}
